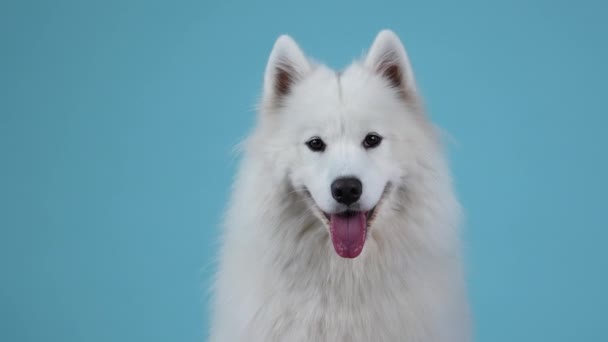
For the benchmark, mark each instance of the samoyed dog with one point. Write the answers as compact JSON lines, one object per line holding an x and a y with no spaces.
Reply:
{"x":343,"y":225}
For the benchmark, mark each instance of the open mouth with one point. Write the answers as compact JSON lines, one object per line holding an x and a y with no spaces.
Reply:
{"x":348,"y":229}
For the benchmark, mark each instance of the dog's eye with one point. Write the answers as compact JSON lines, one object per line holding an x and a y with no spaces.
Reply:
{"x":316,"y":144}
{"x":372,"y":140}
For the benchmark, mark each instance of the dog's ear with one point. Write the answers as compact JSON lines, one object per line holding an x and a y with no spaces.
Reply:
{"x":287,"y":64}
{"x":387,"y":57}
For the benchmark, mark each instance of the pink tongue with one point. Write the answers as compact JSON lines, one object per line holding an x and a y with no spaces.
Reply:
{"x":348,"y":233}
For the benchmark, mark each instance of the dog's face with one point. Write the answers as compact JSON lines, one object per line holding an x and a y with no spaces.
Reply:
{"x":340,"y":136}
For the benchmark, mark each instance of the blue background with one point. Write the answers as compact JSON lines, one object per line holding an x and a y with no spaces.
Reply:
{"x":118,"y":119}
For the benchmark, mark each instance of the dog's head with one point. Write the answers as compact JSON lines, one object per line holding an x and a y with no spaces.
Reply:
{"x":343,"y":138}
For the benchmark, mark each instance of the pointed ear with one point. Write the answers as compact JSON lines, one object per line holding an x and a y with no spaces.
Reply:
{"x":387,"y":57}
{"x":287,"y":64}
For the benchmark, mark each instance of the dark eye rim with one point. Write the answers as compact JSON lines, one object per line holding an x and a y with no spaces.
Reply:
{"x":367,"y":144}
{"x":316,"y":144}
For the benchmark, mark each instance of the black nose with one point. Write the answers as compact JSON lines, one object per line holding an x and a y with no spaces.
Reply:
{"x":346,"y":190}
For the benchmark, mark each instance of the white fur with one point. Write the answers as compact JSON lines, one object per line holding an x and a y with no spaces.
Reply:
{"x":279,"y":277}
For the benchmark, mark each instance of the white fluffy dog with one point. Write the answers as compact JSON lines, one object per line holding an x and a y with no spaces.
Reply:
{"x":343,"y":225}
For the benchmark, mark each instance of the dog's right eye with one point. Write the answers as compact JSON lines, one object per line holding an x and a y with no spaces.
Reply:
{"x":316,"y":144}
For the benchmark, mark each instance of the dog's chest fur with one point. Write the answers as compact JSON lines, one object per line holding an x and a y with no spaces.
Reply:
{"x":302,"y":291}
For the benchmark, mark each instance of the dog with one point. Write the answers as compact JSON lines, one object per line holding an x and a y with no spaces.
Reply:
{"x":343,"y":224}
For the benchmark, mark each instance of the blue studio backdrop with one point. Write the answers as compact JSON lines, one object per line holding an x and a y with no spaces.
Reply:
{"x":118,"y":120}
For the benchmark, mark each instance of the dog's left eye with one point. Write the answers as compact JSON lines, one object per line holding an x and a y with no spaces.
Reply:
{"x":372,"y":140}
